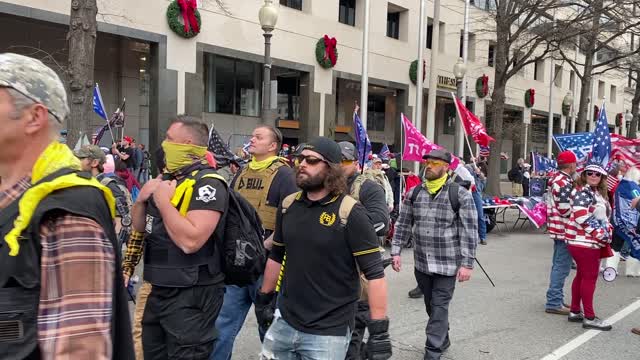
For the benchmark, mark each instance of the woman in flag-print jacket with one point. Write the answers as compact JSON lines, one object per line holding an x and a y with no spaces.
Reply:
{"x":588,"y":234}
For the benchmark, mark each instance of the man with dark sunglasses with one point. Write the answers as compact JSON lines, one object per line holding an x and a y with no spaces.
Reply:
{"x":328,"y":240}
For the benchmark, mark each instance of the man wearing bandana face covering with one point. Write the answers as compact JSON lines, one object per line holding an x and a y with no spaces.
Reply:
{"x":182,"y":262}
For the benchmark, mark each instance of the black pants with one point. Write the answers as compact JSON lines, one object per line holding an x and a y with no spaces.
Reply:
{"x":438,"y":291}
{"x":178,"y":322}
{"x":356,"y":349}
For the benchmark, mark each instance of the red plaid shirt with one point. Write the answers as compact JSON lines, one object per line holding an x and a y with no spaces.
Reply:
{"x":77,"y":266}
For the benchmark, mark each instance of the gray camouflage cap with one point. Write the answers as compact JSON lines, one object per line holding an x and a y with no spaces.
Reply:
{"x":36,"y":81}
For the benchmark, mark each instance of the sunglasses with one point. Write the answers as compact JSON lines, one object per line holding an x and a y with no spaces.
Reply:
{"x":594,"y":173}
{"x":348,"y":162}
{"x":311,"y":160}
{"x":435,"y":163}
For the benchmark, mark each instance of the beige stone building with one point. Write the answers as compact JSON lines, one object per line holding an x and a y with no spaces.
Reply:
{"x":217,"y":75}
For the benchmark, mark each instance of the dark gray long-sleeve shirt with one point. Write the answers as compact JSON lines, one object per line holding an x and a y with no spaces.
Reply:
{"x":373,"y":198}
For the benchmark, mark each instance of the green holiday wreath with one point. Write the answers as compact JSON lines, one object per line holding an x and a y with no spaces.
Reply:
{"x":482,"y":86}
{"x":529,"y":98}
{"x":174,"y":14}
{"x":413,"y":71}
{"x":324,"y":57}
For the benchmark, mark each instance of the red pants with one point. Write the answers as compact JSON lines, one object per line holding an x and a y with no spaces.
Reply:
{"x":584,"y":284}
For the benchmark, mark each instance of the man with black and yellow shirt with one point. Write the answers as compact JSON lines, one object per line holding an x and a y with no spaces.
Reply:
{"x":264,"y":183}
{"x":179,"y":217}
{"x":328,"y":239}
{"x":60,"y":282}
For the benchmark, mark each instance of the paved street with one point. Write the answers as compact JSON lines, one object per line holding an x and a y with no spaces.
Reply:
{"x":506,"y":322}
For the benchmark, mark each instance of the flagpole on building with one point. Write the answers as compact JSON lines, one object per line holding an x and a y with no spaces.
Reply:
{"x":417,"y":120}
{"x":364,"y":81}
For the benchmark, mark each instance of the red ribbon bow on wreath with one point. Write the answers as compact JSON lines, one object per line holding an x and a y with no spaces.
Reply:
{"x":485,"y":84}
{"x":188,"y":10}
{"x":330,"y":49}
{"x":532,"y":96}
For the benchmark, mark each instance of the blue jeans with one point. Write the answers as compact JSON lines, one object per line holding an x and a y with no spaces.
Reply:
{"x":236,"y":305}
{"x":560,"y":269}
{"x":482,"y":225}
{"x":283,"y":342}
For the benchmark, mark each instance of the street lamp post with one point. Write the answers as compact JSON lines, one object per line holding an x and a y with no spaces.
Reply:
{"x":459,"y":70}
{"x":268,"y":16}
{"x":628,"y":116}
{"x":567,"y":102}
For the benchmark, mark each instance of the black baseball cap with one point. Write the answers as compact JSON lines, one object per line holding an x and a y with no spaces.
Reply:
{"x":329,"y":149}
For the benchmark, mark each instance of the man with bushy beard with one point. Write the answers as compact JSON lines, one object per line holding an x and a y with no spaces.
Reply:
{"x":328,"y":239}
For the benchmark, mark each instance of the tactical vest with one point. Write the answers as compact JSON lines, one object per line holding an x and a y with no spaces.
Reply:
{"x":254,"y":186}
{"x":165,"y":264}
{"x":20,"y":275}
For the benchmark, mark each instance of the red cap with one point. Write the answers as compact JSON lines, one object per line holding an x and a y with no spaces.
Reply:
{"x":567,"y":157}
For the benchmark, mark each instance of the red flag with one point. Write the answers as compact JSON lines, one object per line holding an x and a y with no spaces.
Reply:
{"x":472,"y":125}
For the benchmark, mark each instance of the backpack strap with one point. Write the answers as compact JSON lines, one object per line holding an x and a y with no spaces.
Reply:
{"x":414,"y":193}
{"x":346,"y":206}
{"x":288,"y":201}
{"x":453,"y":197}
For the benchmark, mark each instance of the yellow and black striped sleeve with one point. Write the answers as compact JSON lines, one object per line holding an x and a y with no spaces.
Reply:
{"x":364,"y":243}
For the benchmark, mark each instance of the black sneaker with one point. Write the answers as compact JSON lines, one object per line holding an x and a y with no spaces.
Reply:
{"x":415,"y":293}
{"x":596,"y":324}
{"x":575,"y":317}
{"x":483,"y":242}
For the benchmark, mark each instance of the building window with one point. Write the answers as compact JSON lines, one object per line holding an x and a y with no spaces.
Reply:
{"x":441,"y":37}
{"x":347,"y":12}
{"x":557,"y":80}
{"x":572,"y":81}
{"x":393,"y":25}
{"x":232,"y":86}
{"x":613,"y":96}
{"x":492,"y":54}
{"x":471,"y":47}
{"x":294,"y":4}
{"x":376,"y":112}
{"x":429,"y":33}
{"x":600,"y":91}
{"x":538,"y":70}
{"x":288,"y":93}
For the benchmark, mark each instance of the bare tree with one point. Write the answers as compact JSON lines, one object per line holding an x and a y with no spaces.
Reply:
{"x":79,"y":73}
{"x":601,"y":30}
{"x":523,"y":29}
{"x":83,"y":29}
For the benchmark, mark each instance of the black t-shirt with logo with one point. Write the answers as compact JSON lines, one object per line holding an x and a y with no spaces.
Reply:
{"x":321,"y":283}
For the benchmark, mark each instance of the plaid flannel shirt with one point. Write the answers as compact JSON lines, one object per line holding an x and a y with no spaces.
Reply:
{"x":444,"y":241}
{"x":76,"y":280}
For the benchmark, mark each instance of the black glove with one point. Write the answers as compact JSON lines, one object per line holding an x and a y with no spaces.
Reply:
{"x":379,"y":344}
{"x":265,"y":307}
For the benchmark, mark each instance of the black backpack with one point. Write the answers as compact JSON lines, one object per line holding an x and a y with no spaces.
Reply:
{"x":453,"y":192}
{"x":243,"y":254}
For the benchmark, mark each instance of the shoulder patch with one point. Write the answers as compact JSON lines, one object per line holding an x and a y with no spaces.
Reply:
{"x":206,"y":194}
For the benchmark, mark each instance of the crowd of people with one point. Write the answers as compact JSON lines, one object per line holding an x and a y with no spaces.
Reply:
{"x":193,"y":226}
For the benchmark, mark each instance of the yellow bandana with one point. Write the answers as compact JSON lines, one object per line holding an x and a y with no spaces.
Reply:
{"x":177,"y":156}
{"x":55,"y":157}
{"x":261,"y":165}
{"x":433,"y":186}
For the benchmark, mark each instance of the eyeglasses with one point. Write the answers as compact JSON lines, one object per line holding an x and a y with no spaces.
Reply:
{"x":594,"y":173}
{"x":348,"y":162}
{"x":435,"y":163}
{"x":311,"y":160}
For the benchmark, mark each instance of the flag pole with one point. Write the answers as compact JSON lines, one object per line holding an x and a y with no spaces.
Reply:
{"x":402,"y":140}
{"x":473,"y":158}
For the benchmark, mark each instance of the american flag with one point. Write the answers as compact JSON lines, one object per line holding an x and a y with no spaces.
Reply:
{"x":541,"y":163}
{"x":385,"y":152}
{"x":602,"y":141}
{"x":485,"y":151}
{"x":626,"y":150}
